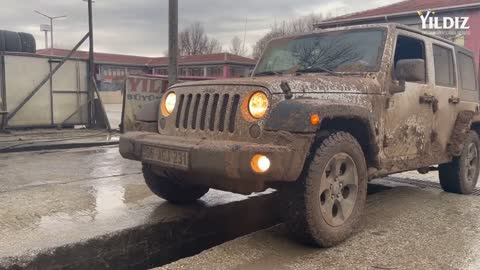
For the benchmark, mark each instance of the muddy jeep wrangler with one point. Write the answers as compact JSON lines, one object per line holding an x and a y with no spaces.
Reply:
{"x":322,"y":114}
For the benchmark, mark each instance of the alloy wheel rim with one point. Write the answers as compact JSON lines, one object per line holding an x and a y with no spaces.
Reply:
{"x":471,"y":162}
{"x":338,"y":189}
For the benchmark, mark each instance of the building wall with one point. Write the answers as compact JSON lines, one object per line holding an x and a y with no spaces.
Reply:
{"x":472,"y":41}
{"x":112,"y":78}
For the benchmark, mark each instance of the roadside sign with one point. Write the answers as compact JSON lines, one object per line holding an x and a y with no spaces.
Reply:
{"x":140,"y":90}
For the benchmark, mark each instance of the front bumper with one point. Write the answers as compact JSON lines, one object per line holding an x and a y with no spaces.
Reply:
{"x":213,"y":163}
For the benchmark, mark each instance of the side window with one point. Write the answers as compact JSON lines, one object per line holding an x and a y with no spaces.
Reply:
{"x":409,"y":48}
{"x":444,"y":66}
{"x":466,"y":67}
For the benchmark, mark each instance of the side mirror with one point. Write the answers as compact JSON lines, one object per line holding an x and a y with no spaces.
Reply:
{"x":410,"y":70}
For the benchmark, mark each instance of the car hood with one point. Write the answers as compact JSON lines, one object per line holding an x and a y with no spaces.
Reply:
{"x":301,"y":84}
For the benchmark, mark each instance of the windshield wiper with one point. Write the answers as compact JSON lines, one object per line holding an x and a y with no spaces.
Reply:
{"x":318,"y":69}
{"x":268,"y":73}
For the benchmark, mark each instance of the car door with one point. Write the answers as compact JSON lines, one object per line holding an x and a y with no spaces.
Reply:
{"x":446,"y":93}
{"x":408,"y":121}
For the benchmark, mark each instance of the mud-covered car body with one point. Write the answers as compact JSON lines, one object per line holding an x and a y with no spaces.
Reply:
{"x":210,"y":138}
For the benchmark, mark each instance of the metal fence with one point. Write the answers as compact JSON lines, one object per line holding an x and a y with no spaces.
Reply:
{"x":31,"y":96}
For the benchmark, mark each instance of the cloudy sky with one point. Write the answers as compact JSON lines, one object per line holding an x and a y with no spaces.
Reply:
{"x":139,"y":27}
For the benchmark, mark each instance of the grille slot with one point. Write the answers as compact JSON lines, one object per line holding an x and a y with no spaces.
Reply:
{"x":195,"y":110}
{"x":186,"y":114}
{"x":223,"y":112}
{"x":212,"y":112}
{"x":233,"y":113}
{"x":179,"y":111}
{"x":203,"y":117}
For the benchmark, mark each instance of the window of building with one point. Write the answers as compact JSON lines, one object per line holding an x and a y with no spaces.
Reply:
{"x":239,"y":71}
{"x":215,"y":71}
{"x":161,"y":71}
{"x":184,"y":72}
{"x":444,"y":66}
{"x":409,"y":48}
{"x":197,"y":71}
{"x":466,"y":67}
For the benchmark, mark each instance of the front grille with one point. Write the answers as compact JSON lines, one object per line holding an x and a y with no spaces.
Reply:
{"x":207,"y":112}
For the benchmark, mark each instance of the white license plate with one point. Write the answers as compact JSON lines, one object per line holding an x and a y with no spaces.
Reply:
{"x":166,"y":156}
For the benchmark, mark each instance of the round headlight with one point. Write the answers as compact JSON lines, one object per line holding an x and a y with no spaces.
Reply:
{"x":169,"y":104}
{"x":258,"y":105}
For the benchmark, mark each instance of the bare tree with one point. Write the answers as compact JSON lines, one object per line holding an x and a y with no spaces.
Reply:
{"x":288,"y":27}
{"x":237,"y":47}
{"x":193,"y":40}
{"x":261,"y":45}
{"x":214,"y":46}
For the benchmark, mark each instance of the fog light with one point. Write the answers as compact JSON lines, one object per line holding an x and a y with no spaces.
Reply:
{"x":260,"y":164}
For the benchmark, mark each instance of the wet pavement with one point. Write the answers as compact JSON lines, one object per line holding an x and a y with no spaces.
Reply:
{"x":89,"y":208}
{"x":48,"y":139}
{"x":405,"y":228}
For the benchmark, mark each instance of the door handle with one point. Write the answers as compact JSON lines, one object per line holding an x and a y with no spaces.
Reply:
{"x":454,"y":100}
{"x":429,"y":99}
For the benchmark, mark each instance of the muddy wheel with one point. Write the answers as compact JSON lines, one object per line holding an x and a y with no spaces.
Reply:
{"x":170,"y":189}
{"x":461,"y":175}
{"x":327,"y":203}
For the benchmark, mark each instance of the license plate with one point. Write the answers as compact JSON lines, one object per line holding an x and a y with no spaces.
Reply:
{"x":165,"y":156}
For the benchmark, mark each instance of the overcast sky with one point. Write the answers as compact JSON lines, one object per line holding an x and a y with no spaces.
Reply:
{"x":139,"y":27}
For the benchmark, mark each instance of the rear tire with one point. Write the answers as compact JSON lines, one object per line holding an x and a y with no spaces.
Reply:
{"x":171,"y":189}
{"x":461,"y":175}
{"x":327,"y":202}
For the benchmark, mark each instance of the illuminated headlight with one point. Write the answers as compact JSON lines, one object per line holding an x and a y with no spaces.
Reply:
{"x":258,"y":105}
{"x":168,"y":104}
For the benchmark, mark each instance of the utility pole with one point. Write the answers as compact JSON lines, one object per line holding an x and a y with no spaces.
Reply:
{"x":51,"y":25}
{"x":91,"y":62}
{"x":172,"y":41}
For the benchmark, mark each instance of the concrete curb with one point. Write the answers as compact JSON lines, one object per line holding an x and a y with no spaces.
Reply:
{"x":158,"y":242}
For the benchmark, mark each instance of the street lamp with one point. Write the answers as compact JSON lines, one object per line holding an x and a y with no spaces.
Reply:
{"x":51,"y":25}
{"x":45,"y":28}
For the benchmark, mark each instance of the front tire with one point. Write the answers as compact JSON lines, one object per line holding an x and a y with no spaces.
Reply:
{"x":461,"y":175}
{"x":327,"y":203}
{"x":171,"y":189}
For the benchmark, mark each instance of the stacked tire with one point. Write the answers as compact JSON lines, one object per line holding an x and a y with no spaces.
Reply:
{"x":17,"y":42}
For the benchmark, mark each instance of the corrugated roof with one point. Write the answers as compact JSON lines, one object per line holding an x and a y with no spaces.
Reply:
{"x":205,"y":58}
{"x":120,"y":59}
{"x":404,"y":7}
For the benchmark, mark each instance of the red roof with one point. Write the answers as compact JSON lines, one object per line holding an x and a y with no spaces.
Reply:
{"x":405,"y":7}
{"x":205,"y":58}
{"x":120,"y":59}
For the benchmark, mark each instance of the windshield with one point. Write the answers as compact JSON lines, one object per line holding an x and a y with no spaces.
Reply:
{"x":342,"y":51}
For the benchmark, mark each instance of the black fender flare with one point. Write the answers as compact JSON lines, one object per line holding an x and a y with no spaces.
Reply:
{"x":462,"y":127}
{"x":294,"y":115}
